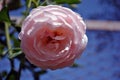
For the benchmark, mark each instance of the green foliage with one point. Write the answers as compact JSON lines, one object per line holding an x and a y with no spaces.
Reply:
{"x":67,"y":1}
{"x":28,"y":3}
{"x":1,"y":49}
{"x":4,"y":73}
{"x":36,"y":2}
{"x":17,"y":53}
{"x":12,"y":77}
{"x":15,"y":40}
{"x":33,"y":3}
{"x":4,"y":16}
{"x":75,"y":65}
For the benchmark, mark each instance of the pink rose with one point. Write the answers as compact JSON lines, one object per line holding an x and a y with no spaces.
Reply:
{"x":53,"y":37}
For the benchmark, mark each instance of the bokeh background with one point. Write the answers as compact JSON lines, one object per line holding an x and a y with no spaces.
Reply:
{"x":101,"y":58}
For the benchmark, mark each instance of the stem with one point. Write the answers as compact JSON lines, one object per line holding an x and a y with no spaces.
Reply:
{"x":36,"y":3}
{"x":47,"y":2}
{"x":26,"y":13}
{"x":43,"y":3}
{"x":8,"y":37}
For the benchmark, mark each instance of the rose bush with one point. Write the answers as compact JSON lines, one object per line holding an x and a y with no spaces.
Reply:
{"x":53,"y":37}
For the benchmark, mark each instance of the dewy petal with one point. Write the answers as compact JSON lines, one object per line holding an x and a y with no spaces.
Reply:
{"x":53,"y":36}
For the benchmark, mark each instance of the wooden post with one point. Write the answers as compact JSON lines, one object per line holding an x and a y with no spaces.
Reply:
{"x":93,"y":24}
{"x":103,"y":25}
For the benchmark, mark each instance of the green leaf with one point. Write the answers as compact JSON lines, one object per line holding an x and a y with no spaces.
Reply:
{"x":4,"y":15}
{"x":67,"y":1}
{"x":16,"y":42}
{"x":75,"y":65}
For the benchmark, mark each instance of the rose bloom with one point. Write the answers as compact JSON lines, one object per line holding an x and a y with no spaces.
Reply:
{"x":53,"y":37}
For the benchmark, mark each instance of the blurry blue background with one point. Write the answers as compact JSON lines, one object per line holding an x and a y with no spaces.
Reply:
{"x":100,"y":60}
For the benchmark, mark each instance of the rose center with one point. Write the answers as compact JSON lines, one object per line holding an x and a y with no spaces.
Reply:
{"x":53,"y":40}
